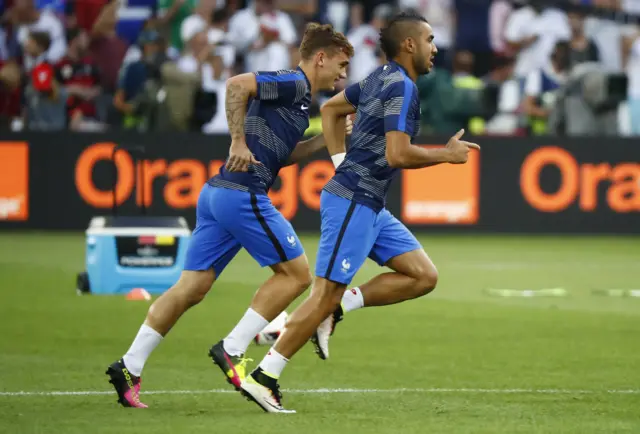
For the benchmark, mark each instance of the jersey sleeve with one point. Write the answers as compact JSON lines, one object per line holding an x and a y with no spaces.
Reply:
{"x":282,"y":88}
{"x":352,"y":93}
{"x":401,"y":107}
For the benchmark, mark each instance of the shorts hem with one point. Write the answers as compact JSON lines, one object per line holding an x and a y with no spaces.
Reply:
{"x":385,"y":262}
{"x":279,"y":260}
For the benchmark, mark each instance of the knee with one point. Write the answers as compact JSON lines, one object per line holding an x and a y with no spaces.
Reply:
{"x":191,"y":291}
{"x":303,"y":279}
{"x":426,"y":281}
{"x":300,"y":278}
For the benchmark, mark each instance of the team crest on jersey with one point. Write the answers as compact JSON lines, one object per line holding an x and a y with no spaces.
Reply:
{"x":346,"y":265}
{"x":291,"y":240}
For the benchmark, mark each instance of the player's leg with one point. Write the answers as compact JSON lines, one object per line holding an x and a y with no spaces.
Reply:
{"x":414,"y":275}
{"x":347,"y":235}
{"x":210,"y":249}
{"x":271,"y":241}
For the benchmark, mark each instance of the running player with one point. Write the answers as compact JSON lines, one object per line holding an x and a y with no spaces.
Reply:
{"x":355,"y":222}
{"x":267,"y":113}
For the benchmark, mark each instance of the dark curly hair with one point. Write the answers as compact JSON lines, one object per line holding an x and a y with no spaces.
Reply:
{"x":397,"y":30}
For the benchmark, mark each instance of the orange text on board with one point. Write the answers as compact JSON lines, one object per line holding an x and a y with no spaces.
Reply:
{"x":580,"y":182}
{"x":185,"y":178}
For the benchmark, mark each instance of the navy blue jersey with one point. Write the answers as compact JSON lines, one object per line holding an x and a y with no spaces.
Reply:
{"x":275,"y":122}
{"x":387,"y":100}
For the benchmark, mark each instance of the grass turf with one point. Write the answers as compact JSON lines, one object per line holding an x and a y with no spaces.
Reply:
{"x":471,"y":348}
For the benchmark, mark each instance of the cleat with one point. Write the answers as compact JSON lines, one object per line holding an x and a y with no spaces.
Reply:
{"x":234,"y":368}
{"x":320,"y":338}
{"x":126,"y":384}
{"x":264,"y":390}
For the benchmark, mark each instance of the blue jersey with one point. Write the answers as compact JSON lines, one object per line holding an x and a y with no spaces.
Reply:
{"x":387,"y":100}
{"x":275,"y":122}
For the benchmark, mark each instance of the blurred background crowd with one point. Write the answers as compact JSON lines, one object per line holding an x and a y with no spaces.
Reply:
{"x":505,"y":67}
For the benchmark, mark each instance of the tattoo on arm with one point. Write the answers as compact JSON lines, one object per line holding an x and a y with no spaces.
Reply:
{"x":236,"y":107}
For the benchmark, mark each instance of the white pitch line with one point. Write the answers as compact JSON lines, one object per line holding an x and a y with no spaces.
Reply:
{"x":332,"y":391}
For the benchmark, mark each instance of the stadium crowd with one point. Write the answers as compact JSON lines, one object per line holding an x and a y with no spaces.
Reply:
{"x":505,"y":67}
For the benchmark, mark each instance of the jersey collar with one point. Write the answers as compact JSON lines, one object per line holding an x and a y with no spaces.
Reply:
{"x":400,"y":67}
{"x":305,"y":77}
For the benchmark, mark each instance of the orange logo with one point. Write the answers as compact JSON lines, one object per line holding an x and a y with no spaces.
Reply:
{"x":442,"y":194}
{"x":185,"y":178}
{"x":580,"y":183}
{"x":14,"y":182}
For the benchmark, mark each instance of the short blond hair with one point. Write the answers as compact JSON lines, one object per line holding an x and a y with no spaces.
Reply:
{"x":323,"y":37}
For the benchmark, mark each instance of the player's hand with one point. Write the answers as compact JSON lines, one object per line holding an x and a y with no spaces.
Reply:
{"x":459,"y":149}
{"x":348,"y":128}
{"x":240,"y":157}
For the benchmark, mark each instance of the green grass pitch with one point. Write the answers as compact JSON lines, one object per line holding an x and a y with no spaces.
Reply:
{"x":470,"y":363}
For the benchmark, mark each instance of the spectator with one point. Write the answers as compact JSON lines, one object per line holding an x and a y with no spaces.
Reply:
{"x":107,"y":48}
{"x":531,"y":33}
{"x":35,"y":48}
{"x":200,"y":18}
{"x":463,"y":79}
{"x":583,"y":49}
{"x":135,"y":97}
{"x":472,"y":32}
{"x":244,"y":25}
{"x":498,"y":16}
{"x":45,"y":100}
{"x":184,"y":79}
{"x":541,"y":86}
{"x":632,"y":52}
{"x":503,"y":94}
{"x":29,"y":19}
{"x":10,"y":96}
{"x":269,"y":52}
{"x":83,"y":13}
{"x":172,"y":13}
{"x":78,"y":73}
{"x":217,"y":36}
{"x":364,"y":38}
{"x":4,"y":40}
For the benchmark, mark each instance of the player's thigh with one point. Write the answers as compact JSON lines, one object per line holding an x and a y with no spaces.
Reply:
{"x":260,"y":228}
{"x":347,"y":235}
{"x":397,"y":248}
{"x":211,"y":246}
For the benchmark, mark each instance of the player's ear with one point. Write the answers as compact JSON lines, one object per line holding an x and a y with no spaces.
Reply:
{"x":410,"y":45}
{"x":320,"y":58}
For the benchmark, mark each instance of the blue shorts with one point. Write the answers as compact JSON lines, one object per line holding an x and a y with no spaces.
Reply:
{"x":351,"y":232}
{"x":227,"y":220}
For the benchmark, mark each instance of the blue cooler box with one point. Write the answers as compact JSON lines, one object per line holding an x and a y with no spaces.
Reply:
{"x":134,"y":252}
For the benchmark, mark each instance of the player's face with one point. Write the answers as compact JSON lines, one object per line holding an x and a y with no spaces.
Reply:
{"x":332,"y":69}
{"x":426,"y":50}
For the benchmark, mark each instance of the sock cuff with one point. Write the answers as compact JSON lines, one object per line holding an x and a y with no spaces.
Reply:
{"x":151,"y":331}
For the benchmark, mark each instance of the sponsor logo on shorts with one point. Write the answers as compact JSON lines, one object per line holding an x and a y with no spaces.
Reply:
{"x":346,"y":265}
{"x":291,"y":240}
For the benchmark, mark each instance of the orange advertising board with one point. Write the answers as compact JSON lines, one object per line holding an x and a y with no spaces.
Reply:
{"x":446,"y":194}
{"x":14,"y":181}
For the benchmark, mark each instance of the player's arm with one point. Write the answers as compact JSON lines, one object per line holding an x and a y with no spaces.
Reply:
{"x":401,"y":114}
{"x":402,"y":154}
{"x":309,"y":147}
{"x":240,"y":89}
{"x":334,"y":121}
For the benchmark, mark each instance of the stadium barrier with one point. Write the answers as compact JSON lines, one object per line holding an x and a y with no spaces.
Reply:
{"x":541,"y":185}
